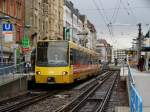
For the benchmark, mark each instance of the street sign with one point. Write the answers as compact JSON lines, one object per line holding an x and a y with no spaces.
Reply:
{"x":7,"y":31}
{"x":7,"y":27}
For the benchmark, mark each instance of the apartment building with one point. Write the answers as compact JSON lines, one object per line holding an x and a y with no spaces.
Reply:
{"x":15,"y":10}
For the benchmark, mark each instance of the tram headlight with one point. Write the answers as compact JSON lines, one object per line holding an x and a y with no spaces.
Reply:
{"x":64,"y":73}
{"x":38,"y":72}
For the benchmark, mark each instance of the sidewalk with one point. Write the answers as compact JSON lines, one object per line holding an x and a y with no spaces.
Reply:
{"x":142,"y":83}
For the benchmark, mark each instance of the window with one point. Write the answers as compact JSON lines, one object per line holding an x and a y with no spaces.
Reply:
{"x":18,"y":9}
{"x":4,"y":6}
{"x":52,"y":54}
{"x":11,"y":7}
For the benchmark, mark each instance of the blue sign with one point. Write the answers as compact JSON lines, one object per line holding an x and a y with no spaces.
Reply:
{"x":7,"y":27}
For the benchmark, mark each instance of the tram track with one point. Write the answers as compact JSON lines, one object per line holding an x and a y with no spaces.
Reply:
{"x":95,"y":97}
{"x":33,"y":97}
{"x":26,"y":101}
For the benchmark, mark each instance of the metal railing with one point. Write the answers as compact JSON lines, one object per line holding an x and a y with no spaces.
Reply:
{"x":136,"y":104}
{"x":2,"y":65}
{"x":19,"y":68}
{"x":11,"y":72}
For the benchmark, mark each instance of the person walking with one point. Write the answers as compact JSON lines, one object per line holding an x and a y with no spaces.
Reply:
{"x":30,"y":67}
{"x":141,"y":63}
{"x":116,"y":62}
{"x":27,"y":69}
{"x":149,"y":64}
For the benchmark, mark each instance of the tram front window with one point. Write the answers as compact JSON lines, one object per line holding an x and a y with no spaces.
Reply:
{"x":52,"y":54}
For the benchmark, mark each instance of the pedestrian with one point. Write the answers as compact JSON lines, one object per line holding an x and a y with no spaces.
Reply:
{"x":30,"y":67}
{"x":10,"y":58}
{"x":138,"y":64}
{"x":27,"y":67}
{"x":125,"y":60}
{"x":149,"y":64}
{"x":116,"y":61}
{"x":141,"y":63}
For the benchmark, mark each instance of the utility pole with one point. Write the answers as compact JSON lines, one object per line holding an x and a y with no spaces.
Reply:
{"x":139,"y":40}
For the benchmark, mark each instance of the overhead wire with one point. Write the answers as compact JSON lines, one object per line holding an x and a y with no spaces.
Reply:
{"x":115,"y":10}
{"x":128,"y":4}
{"x":114,"y":16}
{"x":103,"y":17}
{"x":125,"y":8}
{"x":129,"y":9}
{"x":104,"y":12}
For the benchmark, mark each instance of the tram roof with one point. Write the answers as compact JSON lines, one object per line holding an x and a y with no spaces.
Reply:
{"x":74,"y":45}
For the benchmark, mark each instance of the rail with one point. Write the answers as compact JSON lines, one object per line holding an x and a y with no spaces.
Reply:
{"x":136,"y":104}
{"x":78,"y":103}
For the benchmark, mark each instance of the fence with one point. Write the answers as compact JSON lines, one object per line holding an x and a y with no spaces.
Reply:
{"x":2,"y":65}
{"x":11,"y":72}
{"x":136,"y":104}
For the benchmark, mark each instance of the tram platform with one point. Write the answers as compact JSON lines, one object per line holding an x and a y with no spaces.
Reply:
{"x":142,"y":83}
{"x":13,"y":84}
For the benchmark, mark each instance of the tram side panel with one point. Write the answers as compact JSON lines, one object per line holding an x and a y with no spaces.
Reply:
{"x":81,"y":64}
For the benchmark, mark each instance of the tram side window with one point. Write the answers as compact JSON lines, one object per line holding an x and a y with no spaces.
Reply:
{"x":73,"y":56}
{"x":89,"y":62}
{"x":87,"y":59}
{"x":83,"y":58}
{"x":79,"y":57}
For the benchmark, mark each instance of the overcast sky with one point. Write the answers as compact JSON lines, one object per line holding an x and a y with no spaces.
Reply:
{"x":123,"y":14}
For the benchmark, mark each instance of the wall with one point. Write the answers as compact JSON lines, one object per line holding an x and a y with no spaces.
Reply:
{"x":13,"y":88}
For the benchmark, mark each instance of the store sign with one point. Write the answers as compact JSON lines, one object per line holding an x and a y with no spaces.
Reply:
{"x":25,"y":42}
{"x":7,"y":31}
{"x":25,"y":49}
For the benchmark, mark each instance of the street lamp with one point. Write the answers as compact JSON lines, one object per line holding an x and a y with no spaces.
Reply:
{"x":1,"y":36}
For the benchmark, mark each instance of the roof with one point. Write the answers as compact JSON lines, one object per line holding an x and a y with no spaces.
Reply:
{"x":70,"y":5}
{"x":83,"y":49}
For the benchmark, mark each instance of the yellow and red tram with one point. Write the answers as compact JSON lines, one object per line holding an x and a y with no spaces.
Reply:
{"x":63,"y":62}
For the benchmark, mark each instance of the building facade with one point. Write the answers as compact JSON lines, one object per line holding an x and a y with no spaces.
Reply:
{"x":91,"y":43}
{"x":89,"y":33}
{"x":73,"y":25}
{"x":120,"y":55}
{"x":56,"y":13}
{"x":105,"y":50}
{"x":36,"y":17}
{"x":77,"y":27}
{"x":15,"y":10}
{"x":45,"y":18}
